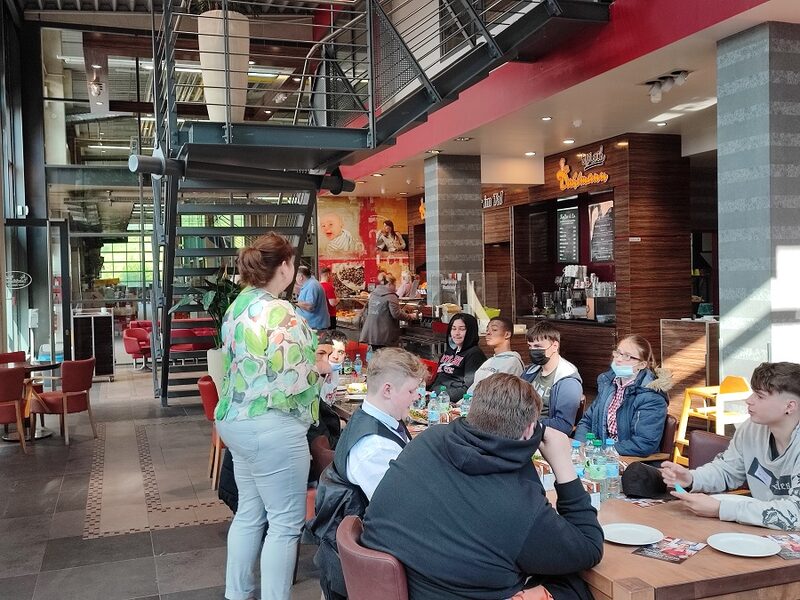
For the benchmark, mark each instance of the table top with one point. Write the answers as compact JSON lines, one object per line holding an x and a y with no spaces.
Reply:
{"x":31,"y":365}
{"x":706,"y":574}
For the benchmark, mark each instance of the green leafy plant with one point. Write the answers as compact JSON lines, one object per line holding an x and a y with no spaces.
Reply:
{"x":215,"y":296}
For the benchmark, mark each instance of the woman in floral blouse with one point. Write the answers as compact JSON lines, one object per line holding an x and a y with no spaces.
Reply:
{"x":270,"y":396}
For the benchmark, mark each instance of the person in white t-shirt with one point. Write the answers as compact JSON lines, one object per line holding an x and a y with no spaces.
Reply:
{"x":504,"y":360}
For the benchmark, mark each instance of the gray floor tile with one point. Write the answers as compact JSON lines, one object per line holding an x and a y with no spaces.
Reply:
{"x":17,"y":588}
{"x":28,"y":504}
{"x":194,"y":570}
{"x":74,"y":490}
{"x":114,"y":581}
{"x":67,"y":524}
{"x":75,"y":552}
{"x":180,"y":539}
{"x":20,"y":558}
{"x":214,"y":593}
{"x":40,"y":485}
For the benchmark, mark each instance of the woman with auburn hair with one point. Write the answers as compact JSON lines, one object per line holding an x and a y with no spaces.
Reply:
{"x":388,"y":239}
{"x":270,"y":396}
{"x":631,"y":403}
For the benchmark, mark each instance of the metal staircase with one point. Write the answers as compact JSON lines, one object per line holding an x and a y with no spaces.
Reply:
{"x":331,"y":85}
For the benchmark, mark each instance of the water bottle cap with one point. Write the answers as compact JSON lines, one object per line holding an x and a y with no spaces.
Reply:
{"x":597,"y":443}
{"x":442,"y":388}
{"x":609,"y":442}
{"x":589,"y":437}
{"x":576,"y":444}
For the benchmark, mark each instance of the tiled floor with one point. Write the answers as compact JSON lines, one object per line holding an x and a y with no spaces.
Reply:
{"x":130,"y":515}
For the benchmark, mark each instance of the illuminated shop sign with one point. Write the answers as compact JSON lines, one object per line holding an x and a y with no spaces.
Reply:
{"x":567,"y":181}
{"x":493,"y":200}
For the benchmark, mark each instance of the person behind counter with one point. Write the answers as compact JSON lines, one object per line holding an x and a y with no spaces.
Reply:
{"x":326,"y":281}
{"x":764,"y":452}
{"x":505,"y":360}
{"x":383,"y":315}
{"x":631,"y":403}
{"x":554,"y":378}
{"x":463,"y":357}
{"x":312,"y":304}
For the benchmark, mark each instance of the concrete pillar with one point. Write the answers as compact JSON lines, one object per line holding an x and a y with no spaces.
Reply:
{"x":758,"y":71}
{"x":453,"y":218}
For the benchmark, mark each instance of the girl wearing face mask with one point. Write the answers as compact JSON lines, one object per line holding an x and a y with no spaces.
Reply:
{"x":457,"y":366}
{"x":631,"y":403}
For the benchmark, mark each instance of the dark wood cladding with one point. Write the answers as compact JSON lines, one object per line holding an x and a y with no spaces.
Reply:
{"x":497,"y":225}
{"x":497,"y":270}
{"x":416,"y":233}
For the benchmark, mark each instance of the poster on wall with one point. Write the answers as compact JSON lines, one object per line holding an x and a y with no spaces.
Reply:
{"x":389,"y":225}
{"x":568,"y":235}
{"x":339,"y":228}
{"x":601,"y":231}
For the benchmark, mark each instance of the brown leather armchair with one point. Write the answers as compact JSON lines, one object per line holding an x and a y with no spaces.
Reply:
{"x":704,"y":447}
{"x":368,"y":574}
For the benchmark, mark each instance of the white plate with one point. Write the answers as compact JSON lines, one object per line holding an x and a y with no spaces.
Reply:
{"x":743,"y":544}
{"x":631,"y":534}
{"x":354,"y":397}
{"x":734,"y":497}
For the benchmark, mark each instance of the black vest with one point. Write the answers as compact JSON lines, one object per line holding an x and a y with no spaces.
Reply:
{"x":360,"y":425}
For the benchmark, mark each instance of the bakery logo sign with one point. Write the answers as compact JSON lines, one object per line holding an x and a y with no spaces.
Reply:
{"x":17,"y":280}
{"x":493,"y":200}
{"x":573,"y":181}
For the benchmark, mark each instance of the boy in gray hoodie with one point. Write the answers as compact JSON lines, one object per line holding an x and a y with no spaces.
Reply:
{"x":764,"y":451}
{"x":504,"y":360}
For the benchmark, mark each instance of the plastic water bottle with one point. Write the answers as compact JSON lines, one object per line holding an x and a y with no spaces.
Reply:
{"x":444,"y":405}
{"x":421,"y":402}
{"x":613,"y":479}
{"x":578,"y":459}
{"x":433,"y":410}
{"x":347,"y":366}
{"x":368,"y":357}
{"x":597,"y":468}
{"x":466,"y":402}
{"x":358,"y":365}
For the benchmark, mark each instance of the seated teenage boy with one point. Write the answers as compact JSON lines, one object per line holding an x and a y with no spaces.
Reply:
{"x":764,"y":451}
{"x":375,"y":435}
{"x":554,"y":378}
{"x":504,"y":360}
{"x":463,"y":508}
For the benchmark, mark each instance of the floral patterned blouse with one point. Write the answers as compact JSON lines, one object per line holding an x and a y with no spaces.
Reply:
{"x":268,"y":360}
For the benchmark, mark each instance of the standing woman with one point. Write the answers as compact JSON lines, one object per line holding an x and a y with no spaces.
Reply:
{"x":388,"y":239}
{"x":631,"y":403}
{"x":270,"y":396}
{"x":383,"y":314}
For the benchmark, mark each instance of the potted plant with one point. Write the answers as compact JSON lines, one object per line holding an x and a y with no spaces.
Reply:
{"x":215,"y":296}
{"x":211,"y":43}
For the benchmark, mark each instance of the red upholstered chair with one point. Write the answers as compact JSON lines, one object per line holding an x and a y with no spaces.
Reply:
{"x":180,"y":341}
{"x":368,"y":574}
{"x":136,"y":341}
{"x":19,"y":356}
{"x":73,"y":397}
{"x":146,"y":325}
{"x":210,"y":399}
{"x":321,"y":457}
{"x":201,"y":332}
{"x":12,"y":400}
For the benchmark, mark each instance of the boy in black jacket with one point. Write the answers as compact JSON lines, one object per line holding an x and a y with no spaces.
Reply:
{"x":463,"y":508}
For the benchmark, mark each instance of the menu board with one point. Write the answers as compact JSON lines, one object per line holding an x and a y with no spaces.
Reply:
{"x":538,"y":251}
{"x":568,"y":235}
{"x":601,"y":231}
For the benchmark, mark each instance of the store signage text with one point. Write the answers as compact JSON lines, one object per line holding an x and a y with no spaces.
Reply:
{"x":593,"y":159}
{"x":579,"y":179}
{"x":17,"y":280}
{"x":493,"y":200}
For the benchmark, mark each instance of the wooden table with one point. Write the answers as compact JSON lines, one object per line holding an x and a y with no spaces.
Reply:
{"x":708,"y":574}
{"x":30,"y":366}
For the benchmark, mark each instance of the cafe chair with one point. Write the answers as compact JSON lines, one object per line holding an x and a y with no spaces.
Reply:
{"x":704,"y":447}
{"x":73,"y":397}
{"x":136,"y":342}
{"x":15,"y":357}
{"x":210,"y":399}
{"x":12,"y":401}
{"x":368,"y":574}
{"x":321,"y":457}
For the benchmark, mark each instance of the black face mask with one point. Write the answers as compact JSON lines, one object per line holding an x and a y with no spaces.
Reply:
{"x":538,"y":356}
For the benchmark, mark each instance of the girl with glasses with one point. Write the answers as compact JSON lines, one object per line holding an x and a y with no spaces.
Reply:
{"x":631,"y":403}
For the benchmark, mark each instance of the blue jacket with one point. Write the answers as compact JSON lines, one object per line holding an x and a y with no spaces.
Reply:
{"x":640,"y":419}
{"x":565,"y":395}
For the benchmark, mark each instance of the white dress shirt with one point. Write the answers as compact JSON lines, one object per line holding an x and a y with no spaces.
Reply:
{"x":369,"y":458}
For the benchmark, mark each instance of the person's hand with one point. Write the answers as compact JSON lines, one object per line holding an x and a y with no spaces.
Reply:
{"x":556,"y":449}
{"x":672,"y":474}
{"x":700,"y":504}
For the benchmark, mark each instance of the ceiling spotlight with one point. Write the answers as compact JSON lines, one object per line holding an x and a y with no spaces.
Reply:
{"x":397,"y":166}
{"x":462,"y":139}
{"x":377,"y":174}
{"x":661,"y":124}
{"x":666,"y":83}
{"x":404,"y":193}
{"x":98,"y":103}
{"x":569,"y":141}
{"x":360,"y":181}
{"x":622,"y":144}
{"x":679,"y":77}
{"x":433,"y":151}
{"x":547,"y":118}
{"x":96,"y":66}
{"x":296,"y":79}
{"x":269,"y":112}
{"x":530,"y":154}
{"x":655,"y":92}
{"x":251,"y":62}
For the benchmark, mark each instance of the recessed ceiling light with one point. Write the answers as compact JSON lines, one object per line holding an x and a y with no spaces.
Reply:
{"x":99,"y":103}
{"x":295,"y":79}
{"x":377,"y":174}
{"x":360,"y":181}
{"x":530,"y":154}
{"x":420,"y":187}
{"x":96,"y":66}
{"x":547,"y":118}
{"x":397,"y":166}
{"x":661,"y":124}
{"x":251,"y":62}
{"x":569,"y":141}
{"x":462,"y":139}
{"x":404,"y":193}
{"x":269,"y":112}
{"x":433,"y":151}
{"x":622,"y":144}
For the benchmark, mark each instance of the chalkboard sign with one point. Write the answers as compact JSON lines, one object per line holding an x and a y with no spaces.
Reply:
{"x":538,"y":250}
{"x":601,"y":231}
{"x":568,"y":235}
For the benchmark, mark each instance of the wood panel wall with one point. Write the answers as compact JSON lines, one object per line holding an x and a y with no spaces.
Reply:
{"x":416,"y":233}
{"x":690,"y":350}
{"x":497,"y":271}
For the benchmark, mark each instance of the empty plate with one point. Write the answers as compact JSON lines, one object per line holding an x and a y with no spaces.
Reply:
{"x":743,"y":544}
{"x":734,"y":497}
{"x":631,"y":534}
